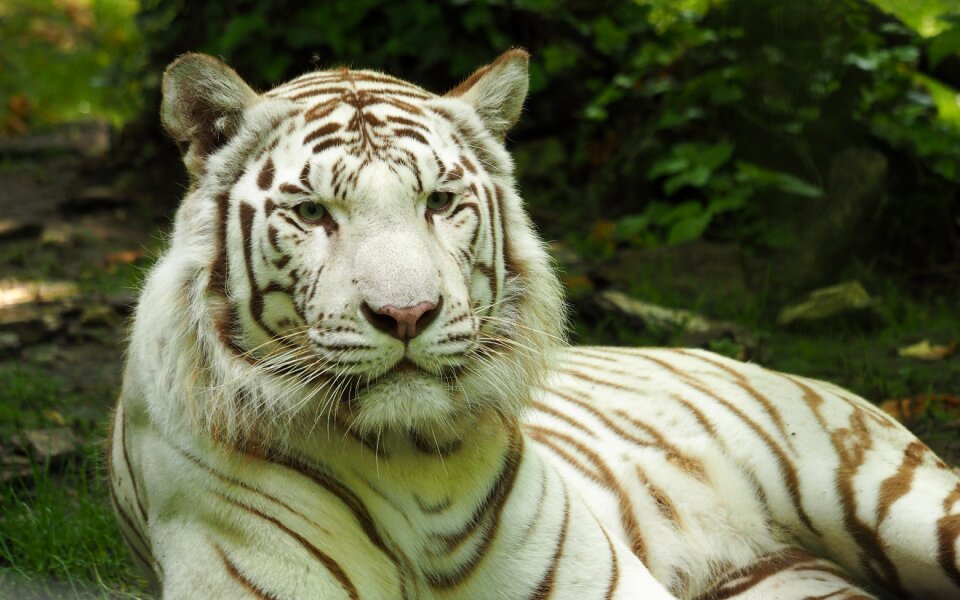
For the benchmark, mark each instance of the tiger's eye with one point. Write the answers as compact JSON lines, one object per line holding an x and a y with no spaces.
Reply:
{"x":439,"y":200}
{"x":311,"y":211}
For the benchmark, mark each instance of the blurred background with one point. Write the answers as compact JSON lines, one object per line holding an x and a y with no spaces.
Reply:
{"x":774,"y":181}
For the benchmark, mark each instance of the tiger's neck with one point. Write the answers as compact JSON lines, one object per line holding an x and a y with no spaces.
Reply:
{"x":476,"y":459}
{"x":450,"y":504}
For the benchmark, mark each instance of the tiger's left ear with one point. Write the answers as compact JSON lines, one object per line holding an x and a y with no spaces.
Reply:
{"x":497,"y":91}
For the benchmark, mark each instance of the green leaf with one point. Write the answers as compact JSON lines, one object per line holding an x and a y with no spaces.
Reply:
{"x":749,"y":173}
{"x":943,"y":45}
{"x":688,"y":229}
{"x":696,"y":177}
{"x":632,"y":226}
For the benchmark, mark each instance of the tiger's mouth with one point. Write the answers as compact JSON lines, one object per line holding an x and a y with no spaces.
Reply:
{"x":405,"y":365}
{"x":404,"y":369}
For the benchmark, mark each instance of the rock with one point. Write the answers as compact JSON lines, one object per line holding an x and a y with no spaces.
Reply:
{"x":716,"y":275}
{"x":98,"y":315}
{"x":653,"y":316}
{"x":564,"y":256}
{"x":31,"y":323}
{"x":847,"y":302}
{"x":11,"y":229}
{"x":9,"y":342}
{"x":91,"y":139}
{"x":924,"y":350}
{"x":698,"y":331}
{"x":93,"y":198}
{"x":14,"y":467}
{"x":15,"y":291}
{"x":829,"y":228}
{"x":56,"y":235}
{"x":123,"y":302}
{"x":55,"y":445}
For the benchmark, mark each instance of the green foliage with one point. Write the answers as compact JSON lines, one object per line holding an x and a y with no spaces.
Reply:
{"x":68,"y":59}
{"x":674,"y":120}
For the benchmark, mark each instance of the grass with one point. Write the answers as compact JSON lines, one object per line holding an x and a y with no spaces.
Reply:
{"x":57,"y":531}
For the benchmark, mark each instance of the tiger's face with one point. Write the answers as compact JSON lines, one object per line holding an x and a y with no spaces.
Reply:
{"x":368,"y":248}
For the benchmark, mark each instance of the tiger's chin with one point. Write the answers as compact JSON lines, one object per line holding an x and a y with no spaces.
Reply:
{"x":405,"y":401}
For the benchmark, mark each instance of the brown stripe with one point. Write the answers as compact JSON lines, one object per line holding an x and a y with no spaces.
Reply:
{"x":432,"y":509}
{"x":614,"y":567}
{"x":541,"y":436}
{"x":812,"y":399}
{"x":490,"y":510}
{"x":510,"y":262}
{"x":535,"y":519}
{"x":335,"y":487}
{"x":328,"y":562}
{"x":674,"y":454}
{"x":742,"y":382}
{"x":628,"y":518}
{"x":133,"y":479}
{"x":664,"y":504}
{"x":435,"y":448}
{"x":290,"y":188}
{"x":544,"y":408}
{"x":948,"y":531}
{"x":327,"y":144}
{"x":265,"y":178}
{"x":851,"y":445}
{"x":129,"y":528}
{"x":545,"y":587}
{"x":234,"y":572}
{"x":408,"y":123}
{"x":246,"y":486}
{"x":321,"y":132}
{"x":786,"y":468}
{"x":742,"y":580}
{"x":633,"y":375}
{"x":255,"y":305}
{"x":218,"y":270}
{"x":597,"y":381}
{"x":897,"y":485}
{"x":408,"y":132}
{"x":305,"y":175}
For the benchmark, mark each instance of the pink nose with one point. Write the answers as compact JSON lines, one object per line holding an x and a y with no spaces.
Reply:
{"x":403,"y":323}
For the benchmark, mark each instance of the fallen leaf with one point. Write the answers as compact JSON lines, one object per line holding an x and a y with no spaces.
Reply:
{"x":913,"y":408}
{"x":54,"y":417}
{"x":924,"y":350}
{"x":122,"y":257}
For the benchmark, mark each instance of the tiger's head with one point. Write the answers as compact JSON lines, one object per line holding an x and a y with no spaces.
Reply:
{"x":359,"y":244}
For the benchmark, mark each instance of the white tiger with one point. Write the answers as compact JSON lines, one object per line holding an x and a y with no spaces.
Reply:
{"x":346,"y":379}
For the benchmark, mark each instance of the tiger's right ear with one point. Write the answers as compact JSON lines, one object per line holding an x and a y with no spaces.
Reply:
{"x":497,"y":91}
{"x":203,"y":105}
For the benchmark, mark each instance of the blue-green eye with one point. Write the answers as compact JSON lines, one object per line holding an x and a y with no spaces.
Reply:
{"x":438,"y":201}
{"x":311,"y":211}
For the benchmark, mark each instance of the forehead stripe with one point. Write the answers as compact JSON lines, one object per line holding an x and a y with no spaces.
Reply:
{"x":321,"y":132}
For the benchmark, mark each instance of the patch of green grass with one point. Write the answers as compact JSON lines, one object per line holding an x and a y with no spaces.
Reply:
{"x":27,"y":394}
{"x":61,"y":529}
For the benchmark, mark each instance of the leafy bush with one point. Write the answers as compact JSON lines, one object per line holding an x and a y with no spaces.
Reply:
{"x":672,"y":120}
